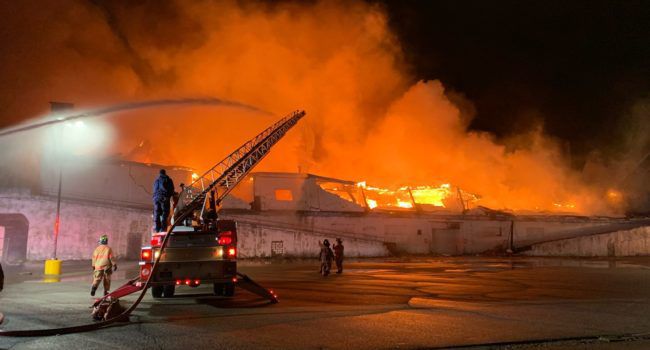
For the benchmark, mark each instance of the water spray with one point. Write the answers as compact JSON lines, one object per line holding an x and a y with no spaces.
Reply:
{"x":210,"y":101}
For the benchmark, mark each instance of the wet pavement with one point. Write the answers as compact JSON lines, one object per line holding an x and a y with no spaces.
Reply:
{"x":475,"y":302}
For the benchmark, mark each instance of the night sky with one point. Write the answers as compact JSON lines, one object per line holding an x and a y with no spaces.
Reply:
{"x":577,"y":66}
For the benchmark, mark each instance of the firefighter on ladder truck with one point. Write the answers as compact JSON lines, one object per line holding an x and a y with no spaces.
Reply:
{"x":199,"y":247}
{"x":163,"y":191}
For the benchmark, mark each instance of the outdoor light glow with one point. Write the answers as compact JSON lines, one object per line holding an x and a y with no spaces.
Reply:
{"x":77,"y":138}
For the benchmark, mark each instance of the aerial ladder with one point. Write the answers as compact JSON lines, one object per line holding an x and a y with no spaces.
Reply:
{"x":209,"y":189}
{"x":198,"y":202}
{"x":197,"y":207}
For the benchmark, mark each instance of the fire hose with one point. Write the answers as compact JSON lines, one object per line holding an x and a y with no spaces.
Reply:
{"x":123,"y":317}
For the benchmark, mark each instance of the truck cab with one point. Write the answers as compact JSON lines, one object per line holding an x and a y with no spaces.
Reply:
{"x":193,"y":256}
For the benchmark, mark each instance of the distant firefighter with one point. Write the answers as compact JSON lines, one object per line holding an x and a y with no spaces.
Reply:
{"x":163,"y":190}
{"x":103,"y":265}
{"x":326,"y":256}
{"x":338,"y":255}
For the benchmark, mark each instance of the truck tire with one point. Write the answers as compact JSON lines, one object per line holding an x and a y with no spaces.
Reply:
{"x":229,"y":290}
{"x":168,"y":291}
{"x":218,"y":289}
{"x":156,"y":291}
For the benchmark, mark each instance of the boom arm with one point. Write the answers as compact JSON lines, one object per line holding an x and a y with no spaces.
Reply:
{"x":219,"y":180}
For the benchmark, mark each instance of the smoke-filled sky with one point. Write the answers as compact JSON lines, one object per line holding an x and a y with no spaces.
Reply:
{"x":529,"y":105}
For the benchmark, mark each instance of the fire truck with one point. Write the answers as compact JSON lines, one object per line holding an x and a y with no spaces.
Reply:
{"x":198,"y":248}
{"x":193,"y":256}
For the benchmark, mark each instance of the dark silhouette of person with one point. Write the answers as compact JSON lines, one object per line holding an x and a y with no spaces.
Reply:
{"x":338,"y":255}
{"x":326,"y":257}
{"x":163,"y":190}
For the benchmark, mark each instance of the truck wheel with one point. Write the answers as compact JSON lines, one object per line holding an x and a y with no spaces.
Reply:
{"x":168,"y":291}
{"x":218,"y":288}
{"x":229,"y":290}
{"x":156,"y":291}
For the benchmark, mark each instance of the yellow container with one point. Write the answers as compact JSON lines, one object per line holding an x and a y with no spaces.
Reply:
{"x":52,"y":267}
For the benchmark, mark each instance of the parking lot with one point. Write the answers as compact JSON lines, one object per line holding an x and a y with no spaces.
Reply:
{"x":376,"y":303}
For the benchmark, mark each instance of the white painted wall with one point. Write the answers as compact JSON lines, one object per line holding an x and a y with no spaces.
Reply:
{"x":364,"y":234}
{"x":620,"y":243}
{"x":81,"y":225}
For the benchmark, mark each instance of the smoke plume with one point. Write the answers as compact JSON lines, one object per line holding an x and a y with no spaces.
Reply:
{"x":368,"y":118}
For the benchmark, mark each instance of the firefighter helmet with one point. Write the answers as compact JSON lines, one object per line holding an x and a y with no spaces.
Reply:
{"x":103,"y":239}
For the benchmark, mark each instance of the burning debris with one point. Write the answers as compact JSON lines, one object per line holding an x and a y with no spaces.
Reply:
{"x":405,"y":197}
{"x":426,"y":198}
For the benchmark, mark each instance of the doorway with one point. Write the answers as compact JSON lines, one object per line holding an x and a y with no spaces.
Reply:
{"x":13,"y":238}
{"x":444,"y":238}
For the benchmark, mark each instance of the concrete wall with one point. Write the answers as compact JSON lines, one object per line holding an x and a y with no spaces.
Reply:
{"x":296,"y":233}
{"x":424,"y":233}
{"x":81,"y":225}
{"x":528,"y":231}
{"x":257,"y":240}
{"x":620,"y":243}
{"x":299,"y":235}
{"x":477,"y":236}
{"x":409,"y":234}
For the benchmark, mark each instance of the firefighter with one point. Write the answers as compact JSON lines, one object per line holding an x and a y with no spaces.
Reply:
{"x":163,"y":190}
{"x":338,"y":255}
{"x":326,"y":256}
{"x":103,"y":265}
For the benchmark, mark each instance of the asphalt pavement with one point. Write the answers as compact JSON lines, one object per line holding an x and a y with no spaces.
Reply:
{"x":406,"y":303}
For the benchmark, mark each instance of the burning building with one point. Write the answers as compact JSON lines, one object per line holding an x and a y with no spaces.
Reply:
{"x":284,"y":215}
{"x":423,"y":178}
{"x":290,"y":212}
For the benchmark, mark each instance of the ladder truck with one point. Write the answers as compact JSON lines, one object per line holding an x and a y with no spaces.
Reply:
{"x":198,"y":247}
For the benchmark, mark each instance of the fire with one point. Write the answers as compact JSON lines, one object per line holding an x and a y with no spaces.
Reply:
{"x":564,"y":205}
{"x":431,"y":195}
{"x":409,"y":197}
{"x":404,"y":204}
{"x":427,"y":197}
